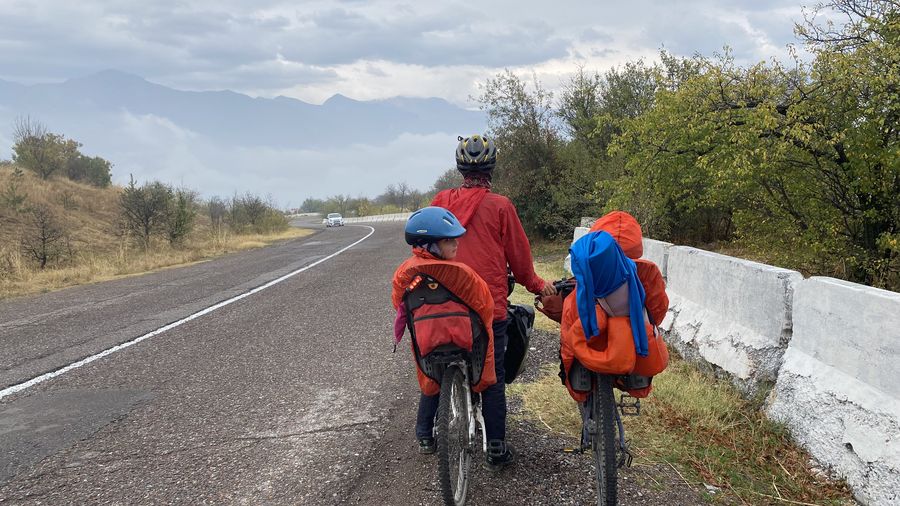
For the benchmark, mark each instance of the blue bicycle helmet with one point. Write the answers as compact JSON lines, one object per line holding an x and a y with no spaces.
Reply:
{"x":431,"y":224}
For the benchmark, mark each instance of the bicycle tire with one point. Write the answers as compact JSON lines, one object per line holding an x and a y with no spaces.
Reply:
{"x":603,"y":440}
{"x":452,"y":438}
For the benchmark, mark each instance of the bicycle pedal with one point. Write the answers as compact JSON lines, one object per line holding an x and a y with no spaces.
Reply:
{"x":629,"y":406}
{"x":625,"y":459}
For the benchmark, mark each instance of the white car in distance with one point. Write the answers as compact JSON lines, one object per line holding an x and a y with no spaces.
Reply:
{"x":334,"y":220}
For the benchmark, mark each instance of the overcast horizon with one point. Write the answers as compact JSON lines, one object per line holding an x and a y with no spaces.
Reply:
{"x":365,"y":50}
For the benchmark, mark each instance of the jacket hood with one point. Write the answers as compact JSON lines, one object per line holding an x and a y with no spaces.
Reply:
{"x":625,"y":229}
{"x":462,"y":202}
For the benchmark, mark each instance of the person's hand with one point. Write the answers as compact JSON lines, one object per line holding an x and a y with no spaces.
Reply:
{"x":548,"y":289}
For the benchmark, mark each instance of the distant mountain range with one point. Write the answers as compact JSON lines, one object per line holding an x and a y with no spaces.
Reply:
{"x":82,"y":104}
{"x":221,"y":142}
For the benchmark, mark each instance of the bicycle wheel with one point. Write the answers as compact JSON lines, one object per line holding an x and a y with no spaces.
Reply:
{"x":603,"y":439}
{"x":454,"y":453}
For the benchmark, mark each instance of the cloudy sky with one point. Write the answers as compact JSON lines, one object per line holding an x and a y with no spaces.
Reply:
{"x":371,"y":49}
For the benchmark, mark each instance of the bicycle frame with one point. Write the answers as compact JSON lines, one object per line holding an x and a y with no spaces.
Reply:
{"x":473,"y":407}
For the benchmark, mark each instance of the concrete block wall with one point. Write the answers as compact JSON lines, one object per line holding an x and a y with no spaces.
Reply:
{"x":379,"y":218}
{"x":838,"y":390}
{"x":577,"y":234}
{"x":658,"y":253}
{"x":731,"y":313}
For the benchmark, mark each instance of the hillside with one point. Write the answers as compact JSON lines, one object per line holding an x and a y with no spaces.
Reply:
{"x":94,"y":244}
{"x":88,"y":214}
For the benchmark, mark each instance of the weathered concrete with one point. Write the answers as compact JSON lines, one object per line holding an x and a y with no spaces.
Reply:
{"x":838,"y":390}
{"x":379,"y":218}
{"x":577,"y":234}
{"x":730,"y":313}
{"x":658,"y":253}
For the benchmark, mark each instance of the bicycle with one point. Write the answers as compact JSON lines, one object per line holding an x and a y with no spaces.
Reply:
{"x":459,"y":418}
{"x":602,"y":429}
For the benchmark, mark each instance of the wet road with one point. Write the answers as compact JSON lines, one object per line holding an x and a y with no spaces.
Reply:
{"x":269,"y":399}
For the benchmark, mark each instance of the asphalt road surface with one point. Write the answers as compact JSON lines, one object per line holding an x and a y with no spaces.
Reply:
{"x":287,"y":396}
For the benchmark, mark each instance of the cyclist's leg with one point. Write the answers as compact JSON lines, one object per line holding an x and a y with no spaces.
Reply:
{"x":493,"y":399}
{"x":428,"y":405}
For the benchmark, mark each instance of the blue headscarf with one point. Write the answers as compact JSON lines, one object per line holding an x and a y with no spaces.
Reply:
{"x":600,"y":267}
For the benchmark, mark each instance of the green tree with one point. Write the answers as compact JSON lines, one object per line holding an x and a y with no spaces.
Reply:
{"x":451,"y":178}
{"x":522,"y":121}
{"x":44,"y":238}
{"x":800,"y":163}
{"x":145,"y":209}
{"x":180,"y":215}
{"x":313,"y":205}
{"x":38,"y":150}
{"x":92,"y":170}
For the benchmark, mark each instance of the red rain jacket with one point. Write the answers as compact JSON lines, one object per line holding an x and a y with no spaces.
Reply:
{"x":494,"y":238}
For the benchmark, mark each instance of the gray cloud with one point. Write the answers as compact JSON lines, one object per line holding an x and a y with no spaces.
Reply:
{"x":270,"y":46}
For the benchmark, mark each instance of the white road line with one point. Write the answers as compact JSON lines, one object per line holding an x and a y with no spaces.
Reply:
{"x":75,"y":365}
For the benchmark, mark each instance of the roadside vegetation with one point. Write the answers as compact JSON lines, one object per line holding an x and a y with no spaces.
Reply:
{"x":63,"y":223}
{"x":396,"y":198}
{"x":793,"y":163}
{"x":716,"y":441}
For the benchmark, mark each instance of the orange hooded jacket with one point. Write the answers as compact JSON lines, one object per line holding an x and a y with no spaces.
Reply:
{"x":465,"y":284}
{"x":614,"y":357}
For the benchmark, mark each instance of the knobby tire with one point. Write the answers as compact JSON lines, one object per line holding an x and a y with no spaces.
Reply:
{"x":452,"y":438}
{"x":603,"y":440}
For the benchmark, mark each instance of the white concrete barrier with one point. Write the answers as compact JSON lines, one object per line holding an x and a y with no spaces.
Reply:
{"x":831,"y":349}
{"x":577,"y":234}
{"x":838,"y":391}
{"x":378,"y":218}
{"x":658,"y":253}
{"x":731,"y":313}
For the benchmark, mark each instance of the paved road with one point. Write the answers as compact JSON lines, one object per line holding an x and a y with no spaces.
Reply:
{"x":270,"y":399}
{"x":287,"y":396}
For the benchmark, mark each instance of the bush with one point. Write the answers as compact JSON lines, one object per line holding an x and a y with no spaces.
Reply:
{"x":44,"y":239}
{"x":145,"y":209}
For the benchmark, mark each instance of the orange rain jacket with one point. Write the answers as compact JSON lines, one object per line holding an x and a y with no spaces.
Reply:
{"x":465,"y":284}
{"x":615,"y":354}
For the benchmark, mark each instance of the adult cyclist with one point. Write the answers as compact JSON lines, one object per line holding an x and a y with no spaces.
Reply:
{"x":494,"y":240}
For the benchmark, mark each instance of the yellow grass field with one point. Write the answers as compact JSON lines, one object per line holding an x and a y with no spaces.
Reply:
{"x":96,"y":246}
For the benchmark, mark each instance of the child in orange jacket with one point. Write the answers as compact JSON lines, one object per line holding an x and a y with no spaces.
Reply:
{"x":619,"y":354}
{"x":433,"y":233}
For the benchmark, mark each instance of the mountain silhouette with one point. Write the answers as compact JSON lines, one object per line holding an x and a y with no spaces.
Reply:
{"x":82,"y":104}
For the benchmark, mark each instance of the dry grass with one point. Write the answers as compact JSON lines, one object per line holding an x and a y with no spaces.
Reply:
{"x":97,"y":250}
{"x":704,"y":429}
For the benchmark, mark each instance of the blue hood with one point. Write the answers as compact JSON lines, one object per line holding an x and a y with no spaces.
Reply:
{"x":600,"y":267}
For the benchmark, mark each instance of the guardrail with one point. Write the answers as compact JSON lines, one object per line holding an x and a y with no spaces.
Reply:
{"x":378,"y":218}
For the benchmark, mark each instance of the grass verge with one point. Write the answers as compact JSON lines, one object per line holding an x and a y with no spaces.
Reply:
{"x":90,"y":267}
{"x":704,"y":430}
{"x":548,"y":264}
